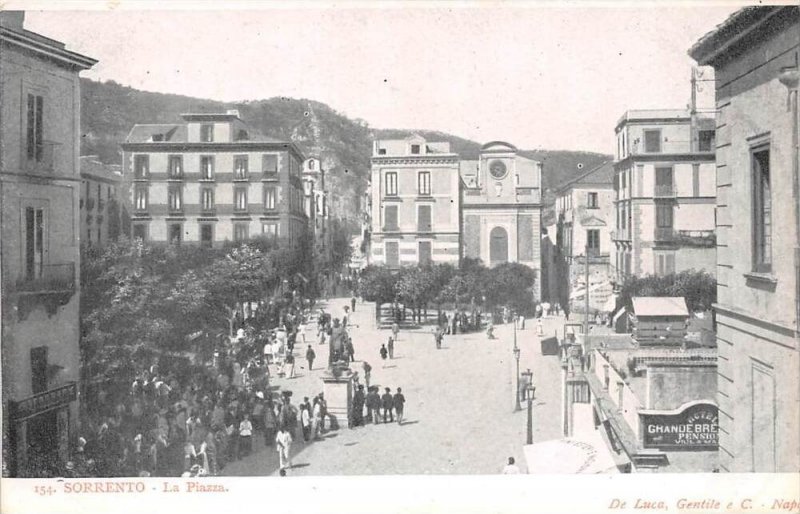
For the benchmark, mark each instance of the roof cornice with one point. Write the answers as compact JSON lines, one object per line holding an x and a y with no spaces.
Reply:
{"x":60,"y":55}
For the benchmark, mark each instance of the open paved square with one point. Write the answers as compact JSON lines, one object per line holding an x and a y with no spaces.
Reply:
{"x":459,"y":415}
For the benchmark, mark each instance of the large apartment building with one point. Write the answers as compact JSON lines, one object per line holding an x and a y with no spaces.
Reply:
{"x":664,"y":192}
{"x":40,"y":233}
{"x":415,"y":203}
{"x":210,"y":179}
{"x":755,"y":54}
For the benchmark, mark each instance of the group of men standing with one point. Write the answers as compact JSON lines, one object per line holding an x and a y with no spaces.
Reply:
{"x":387,"y":404}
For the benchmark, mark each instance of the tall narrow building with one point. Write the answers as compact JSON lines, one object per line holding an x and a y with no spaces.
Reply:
{"x":39,"y":246}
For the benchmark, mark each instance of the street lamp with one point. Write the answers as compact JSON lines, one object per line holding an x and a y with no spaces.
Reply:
{"x":517,"y":407}
{"x":529,"y":392}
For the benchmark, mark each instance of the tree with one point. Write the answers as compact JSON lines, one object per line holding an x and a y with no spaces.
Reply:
{"x":699,"y":288}
{"x":378,"y":284}
{"x":510,"y":284}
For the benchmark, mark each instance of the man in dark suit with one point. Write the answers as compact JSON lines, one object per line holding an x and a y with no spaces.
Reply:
{"x":358,"y":406}
{"x":387,"y":402}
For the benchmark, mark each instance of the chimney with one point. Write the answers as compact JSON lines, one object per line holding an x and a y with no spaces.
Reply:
{"x":234,"y":112}
{"x":12,"y":19}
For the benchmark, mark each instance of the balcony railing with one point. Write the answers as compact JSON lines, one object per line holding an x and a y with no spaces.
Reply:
{"x":55,"y":278}
{"x":664,"y":191}
{"x":698,"y":238}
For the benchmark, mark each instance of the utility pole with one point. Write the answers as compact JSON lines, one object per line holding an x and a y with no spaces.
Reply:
{"x":586,"y":308}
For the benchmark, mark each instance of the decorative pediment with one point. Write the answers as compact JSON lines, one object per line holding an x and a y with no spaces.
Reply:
{"x":592,"y":221}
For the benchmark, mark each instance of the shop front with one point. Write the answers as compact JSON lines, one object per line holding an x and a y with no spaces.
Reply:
{"x":40,"y":431}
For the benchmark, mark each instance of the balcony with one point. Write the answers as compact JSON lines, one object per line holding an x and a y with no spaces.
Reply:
{"x":52,"y":278}
{"x":696,"y":238}
{"x":664,"y":191}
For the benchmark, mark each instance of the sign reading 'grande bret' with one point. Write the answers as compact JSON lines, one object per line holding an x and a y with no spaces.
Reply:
{"x":692,"y":427}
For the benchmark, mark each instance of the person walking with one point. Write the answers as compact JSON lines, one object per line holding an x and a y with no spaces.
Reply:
{"x":399,"y":402}
{"x":246,"y":436}
{"x":384,"y":353}
{"x":353,"y":304}
{"x":283,"y":443}
{"x":390,"y":347}
{"x":358,"y":406}
{"x":387,"y":402}
{"x":270,"y":422}
{"x":290,"y":363}
{"x":367,"y":373}
{"x":310,"y":356}
{"x":373,"y":405}
{"x":350,"y":350}
{"x":395,"y":330}
{"x":305,"y":419}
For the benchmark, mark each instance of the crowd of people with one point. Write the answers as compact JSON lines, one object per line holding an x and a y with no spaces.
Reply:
{"x":194,"y":420}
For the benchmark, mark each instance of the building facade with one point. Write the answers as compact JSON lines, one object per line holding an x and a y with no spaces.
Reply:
{"x":501,"y":208}
{"x":755,"y":54}
{"x":415,"y":203}
{"x":664,"y":192}
{"x":585,"y":218}
{"x":209,"y":180}
{"x":39,"y":246}
{"x":316,"y":204}
{"x":101,"y":207}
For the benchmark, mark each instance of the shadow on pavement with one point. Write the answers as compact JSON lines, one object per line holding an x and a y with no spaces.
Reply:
{"x":404,"y":423}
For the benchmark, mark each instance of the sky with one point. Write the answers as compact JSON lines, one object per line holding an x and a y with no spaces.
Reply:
{"x":541,"y":76}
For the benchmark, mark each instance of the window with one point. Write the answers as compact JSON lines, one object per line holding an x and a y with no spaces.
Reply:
{"x":664,"y":215}
{"x":665,"y":263}
{"x":762,"y":211}
{"x":206,"y":235}
{"x":705,"y":141}
{"x":652,"y":141}
{"x":415,"y":149}
{"x":381,"y":151}
{"x":425,"y":252}
{"x":424,"y":218}
{"x":39,"y":369}
{"x":35,"y":139}
{"x":624,"y":217}
{"x":34,"y":242}
{"x":390,"y":218}
{"x":664,"y":181}
{"x":392,"y":249}
{"x":175,"y":198}
{"x":270,"y":230}
{"x":240,"y":199}
{"x":311,"y":164}
{"x":623,"y":183}
{"x":269,"y":163}
{"x":240,"y":231}
{"x":140,"y":231}
{"x":391,"y":183}
{"x":175,"y":166}
{"x":269,"y":198}
{"x":207,"y":199}
{"x":140,"y":198}
{"x":175,"y":231}
{"x":207,"y":133}
{"x":592,"y":201}
{"x":207,"y":167}
{"x":424,"y":182}
{"x":593,"y":241}
{"x":240,"y":167}
{"x":141,"y":166}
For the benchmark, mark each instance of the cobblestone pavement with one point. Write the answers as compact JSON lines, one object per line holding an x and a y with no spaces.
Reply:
{"x":459,"y":415}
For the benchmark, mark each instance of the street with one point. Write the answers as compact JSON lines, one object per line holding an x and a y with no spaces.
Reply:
{"x":459,"y":415}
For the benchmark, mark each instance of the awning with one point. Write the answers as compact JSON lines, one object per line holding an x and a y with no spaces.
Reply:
{"x":584,"y":454}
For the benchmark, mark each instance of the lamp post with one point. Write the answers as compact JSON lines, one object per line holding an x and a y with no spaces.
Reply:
{"x":517,"y":407}
{"x":529,"y":391}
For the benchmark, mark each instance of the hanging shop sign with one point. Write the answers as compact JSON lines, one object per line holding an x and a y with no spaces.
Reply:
{"x":691,"y":427}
